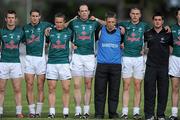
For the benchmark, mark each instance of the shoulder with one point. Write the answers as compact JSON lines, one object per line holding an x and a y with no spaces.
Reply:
{"x":148,"y":32}
{"x":124,"y":23}
{"x":26,"y":26}
{"x":68,"y":30}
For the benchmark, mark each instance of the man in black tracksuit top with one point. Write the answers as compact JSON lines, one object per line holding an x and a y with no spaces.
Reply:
{"x":156,"y":74}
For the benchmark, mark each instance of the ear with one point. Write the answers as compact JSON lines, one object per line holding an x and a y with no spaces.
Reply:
{"x":40,"y":17}
{"x":78,"y":13}
{"x":140,"y":15}
{"x":5,"y":19}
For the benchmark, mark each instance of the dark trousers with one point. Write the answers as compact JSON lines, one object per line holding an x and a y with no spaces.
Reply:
{"x":107,"y":75}
{"x":155,"y":79}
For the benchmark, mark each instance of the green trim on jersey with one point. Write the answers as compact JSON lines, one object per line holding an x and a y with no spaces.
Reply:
{"x":176,"y":39}
{"x":10,"y":40}
{"x":84,"y":35}
{"x":59,"y":46}
{"x":34,"y":38}
{"x":133,"y":38}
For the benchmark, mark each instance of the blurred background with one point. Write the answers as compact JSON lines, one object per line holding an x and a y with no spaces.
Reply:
{"x":98,"y":8}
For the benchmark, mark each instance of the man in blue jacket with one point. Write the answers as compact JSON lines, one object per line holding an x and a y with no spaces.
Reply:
{"x":108,"y":71}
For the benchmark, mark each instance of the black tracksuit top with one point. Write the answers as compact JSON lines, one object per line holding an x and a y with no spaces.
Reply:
{"x":158,"y":44}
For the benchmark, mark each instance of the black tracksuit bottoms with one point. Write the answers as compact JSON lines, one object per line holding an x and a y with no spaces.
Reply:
{"x":107,"y":76}
{"x":156,"y":81}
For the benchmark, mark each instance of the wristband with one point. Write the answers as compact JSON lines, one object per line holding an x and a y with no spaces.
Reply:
{"x":96,"y":19}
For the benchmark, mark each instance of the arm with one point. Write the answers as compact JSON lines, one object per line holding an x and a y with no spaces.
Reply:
{"x":47,"y":31}
{"x":122,"y":30}
{"x":98,"y":20}
{"x":67,"y":23}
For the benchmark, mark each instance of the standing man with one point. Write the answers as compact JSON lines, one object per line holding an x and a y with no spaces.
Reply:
{"x":132,"y":61}
{"x":108,"y":71}
{"x":174,"y":69}
{"x":35,"y":63}
{"x":83,"y":59}
{"x":156,"y":73}
{"x":10,"y":66}
{"x":58,"y":64}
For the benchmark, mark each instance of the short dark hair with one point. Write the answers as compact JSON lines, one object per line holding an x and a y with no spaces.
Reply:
{"x":10,"y":12}
{"x":158,"y":14}
{"x":178,"y":9}
{"x":83,"y":4}
{"x":59,"y":14}
{"x":34,"y":10}
{"x":135,"y":8}
{"x":110,"y":14}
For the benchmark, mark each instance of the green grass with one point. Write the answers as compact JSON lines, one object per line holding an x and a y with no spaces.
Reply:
{"x":9,"y":104}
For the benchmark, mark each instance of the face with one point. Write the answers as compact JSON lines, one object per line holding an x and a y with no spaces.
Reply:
{"x":10,"y":19}
{"x":84,"y":12}
{"x":135,"y":15}
{"x":59,"y":23}
{"x":110,"y":23}
{"x":35,"y":18}
{"x":178,"y":16}
{"x":158,"y":22}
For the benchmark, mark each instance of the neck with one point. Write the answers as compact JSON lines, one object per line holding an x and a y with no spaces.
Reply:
{"x":158,"y":29}
{"x":84,"y":19}
{"x":135,"y":22}
{"x":33,"y":24}
{"x":110,"y":29}
{"x":11,"y":27}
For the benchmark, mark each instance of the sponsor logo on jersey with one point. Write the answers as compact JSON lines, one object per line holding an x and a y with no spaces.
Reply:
{"x":133,"y":37}
{"x":4,"y":36}
{"x":58,"y":45}
{"x":26,"y":31}
{"x":109,"y":45}
{"x":11,"y":45}
{"x":84,"y":36}
{"x":33,"y":39}
{"x":76,"y":26}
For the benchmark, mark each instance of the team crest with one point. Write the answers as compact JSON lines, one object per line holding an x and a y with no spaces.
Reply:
{"x":38,"y":29}
{"x":18,"y":36}
{"x":90,"y":27}
{"x":65,"y":36}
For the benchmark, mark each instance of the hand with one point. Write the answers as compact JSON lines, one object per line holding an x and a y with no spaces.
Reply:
{"x":142,"y":52}
{"x":73,"y":46}
{"x":92,"y":18}
{"x":122,"y":46}
{"x":168,"y":29}
{"x":122,"y":30}
{"x":47,"y":31}
{"x":74,"y":18}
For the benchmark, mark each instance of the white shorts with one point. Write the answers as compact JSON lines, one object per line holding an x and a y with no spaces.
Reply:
{"x":10,"y":70}
{"x":83,"y":65}
{"x":58,"y":72}
{"x":174,"y":66}
{"x":133,"y":67}
{"x":35,"y":65}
